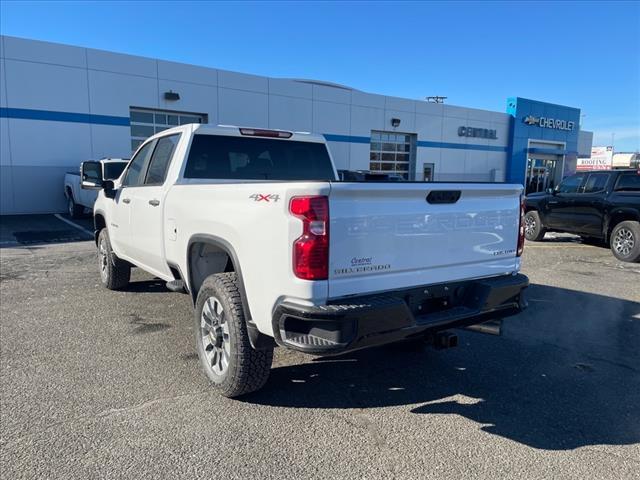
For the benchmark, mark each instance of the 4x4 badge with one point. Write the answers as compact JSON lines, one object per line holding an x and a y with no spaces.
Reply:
{"x":259,"y":197}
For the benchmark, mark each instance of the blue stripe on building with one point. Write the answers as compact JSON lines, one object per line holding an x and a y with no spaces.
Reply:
{"x":462,"y":146}
{"x":459,"y":146}
{"x":346,"y":138}
{"x":54,"y":116}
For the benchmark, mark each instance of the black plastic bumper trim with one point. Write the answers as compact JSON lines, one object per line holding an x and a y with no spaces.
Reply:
{"x":358,"y":322}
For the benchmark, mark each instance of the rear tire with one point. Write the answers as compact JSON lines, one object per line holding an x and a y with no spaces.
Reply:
{"x":533,"y":228}
{"x":227,"y":358}
{"x":114,"y":273}
{"x":625,"y":241}
{"x":75,"y":210}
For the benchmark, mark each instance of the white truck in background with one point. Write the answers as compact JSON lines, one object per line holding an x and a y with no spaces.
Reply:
{"x":79,"y":199}
{"x":274,"y":250}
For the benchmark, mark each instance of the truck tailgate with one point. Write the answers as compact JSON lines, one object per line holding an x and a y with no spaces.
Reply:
{"x":386,"y":236}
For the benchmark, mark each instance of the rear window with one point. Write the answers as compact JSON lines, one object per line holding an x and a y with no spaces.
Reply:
{"x":628,"y":182}
{"x":250,"y":158}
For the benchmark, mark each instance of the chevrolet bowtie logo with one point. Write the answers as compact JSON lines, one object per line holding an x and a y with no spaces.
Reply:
{"x":531,"y":120}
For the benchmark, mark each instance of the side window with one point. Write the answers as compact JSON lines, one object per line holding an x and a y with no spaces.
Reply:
{"x":132,"y":175}
{"x":629,"y":182}
{"x":160,"y":160}
{"x":596,"y":182}
{"x":571,"y":184}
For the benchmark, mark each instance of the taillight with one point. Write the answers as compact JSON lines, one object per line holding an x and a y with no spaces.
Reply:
{"x":521,"y":228}
{"x":311,"y":249}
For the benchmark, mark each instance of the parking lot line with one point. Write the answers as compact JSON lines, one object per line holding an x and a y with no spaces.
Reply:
{"x":73,"y":224}
{"x":564,"y":245}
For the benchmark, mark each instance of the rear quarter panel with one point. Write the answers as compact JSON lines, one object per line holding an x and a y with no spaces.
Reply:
{"x":261,"y":233}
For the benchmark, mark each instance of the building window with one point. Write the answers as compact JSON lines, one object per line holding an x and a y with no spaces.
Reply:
{"x":391,"y":153}
{"x":146,"y":122}
{"x":428,"y":172}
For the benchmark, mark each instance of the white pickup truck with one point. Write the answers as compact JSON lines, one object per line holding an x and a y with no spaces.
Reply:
{"x":79,"y":199}
{"x":272,"y":249}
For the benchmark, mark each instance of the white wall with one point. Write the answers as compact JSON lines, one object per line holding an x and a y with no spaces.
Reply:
{"x":51,"y":77}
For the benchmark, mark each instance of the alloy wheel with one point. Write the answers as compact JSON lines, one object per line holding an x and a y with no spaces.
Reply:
{"x":103,"y":259}
{"x":623,"y":242}
{"x":214,"y":331}
{"x":529,"y":225}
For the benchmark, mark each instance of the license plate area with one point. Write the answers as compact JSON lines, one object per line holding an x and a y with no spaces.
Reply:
{"x":438,"y":298}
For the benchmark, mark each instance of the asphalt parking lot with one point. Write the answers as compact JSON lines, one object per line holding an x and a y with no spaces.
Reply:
{"x":102,"y":384}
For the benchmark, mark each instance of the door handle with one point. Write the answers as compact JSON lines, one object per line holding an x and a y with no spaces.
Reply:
{"x":126,"y":200}
{"x":553,"y":202}
{"x":154,"y":202}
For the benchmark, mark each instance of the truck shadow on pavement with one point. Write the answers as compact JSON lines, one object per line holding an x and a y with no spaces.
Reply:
{"x":565,"y":374}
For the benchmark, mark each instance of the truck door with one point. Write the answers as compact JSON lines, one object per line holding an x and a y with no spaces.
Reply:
{"x":588,"y":204}
{"x":119,"y":220}
{"x":560,"y":207}
{"x":147,"y":212}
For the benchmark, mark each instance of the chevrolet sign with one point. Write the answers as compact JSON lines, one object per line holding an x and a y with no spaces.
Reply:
{"x":545,"y":122}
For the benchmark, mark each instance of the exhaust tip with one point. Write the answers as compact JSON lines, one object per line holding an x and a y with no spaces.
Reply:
{"x":492,"y":327}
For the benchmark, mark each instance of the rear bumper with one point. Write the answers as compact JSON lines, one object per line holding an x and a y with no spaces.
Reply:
{"x":360,"y":322}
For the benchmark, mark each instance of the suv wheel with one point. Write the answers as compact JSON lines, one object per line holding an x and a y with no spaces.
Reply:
{"x":533,"y":229}
{"x":625,"y":241}
{"x":114,"y":273}
{"x":222,"y":341}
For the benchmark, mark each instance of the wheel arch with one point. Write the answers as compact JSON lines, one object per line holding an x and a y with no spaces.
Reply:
{"x":99,"y":222}
{"x":207,"y":255}
{"x":619,"y":215}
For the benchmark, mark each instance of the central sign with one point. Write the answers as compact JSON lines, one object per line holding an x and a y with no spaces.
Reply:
{"x":545,"y":122}
{"x":477,"y":132}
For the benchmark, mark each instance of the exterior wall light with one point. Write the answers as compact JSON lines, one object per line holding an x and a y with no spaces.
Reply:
{"x":171,"y":95}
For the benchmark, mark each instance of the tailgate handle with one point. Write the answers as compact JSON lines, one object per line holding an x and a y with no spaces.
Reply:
{"x":444,"y":196}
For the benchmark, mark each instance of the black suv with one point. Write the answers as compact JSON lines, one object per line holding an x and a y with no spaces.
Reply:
{"x":602,"y":206}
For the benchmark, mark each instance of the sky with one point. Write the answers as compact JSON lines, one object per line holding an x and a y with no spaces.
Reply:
{"x":580,"y":54}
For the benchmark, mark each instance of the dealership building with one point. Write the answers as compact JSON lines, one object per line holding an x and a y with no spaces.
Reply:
{"x":61,"y":104}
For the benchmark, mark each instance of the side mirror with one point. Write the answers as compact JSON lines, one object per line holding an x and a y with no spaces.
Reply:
{"x":91,"y":177}
{"x":551,"y":191}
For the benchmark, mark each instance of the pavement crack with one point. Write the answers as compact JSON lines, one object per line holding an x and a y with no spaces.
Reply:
{"x":148,"y":403}
{"x":612,"y":363}
{"x":12,"y":440}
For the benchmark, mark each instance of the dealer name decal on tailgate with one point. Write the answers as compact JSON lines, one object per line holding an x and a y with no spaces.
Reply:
{"x":361,"y":265}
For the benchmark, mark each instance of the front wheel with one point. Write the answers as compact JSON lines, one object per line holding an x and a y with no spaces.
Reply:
{"x":533,"y":228}
{"x":114,"y":273}
{"x":222,"y":341}
{"x":625,"y":241}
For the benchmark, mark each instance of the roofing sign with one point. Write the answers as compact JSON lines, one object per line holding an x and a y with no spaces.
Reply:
{"x":601,"y":159}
